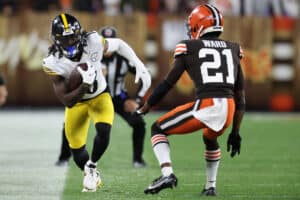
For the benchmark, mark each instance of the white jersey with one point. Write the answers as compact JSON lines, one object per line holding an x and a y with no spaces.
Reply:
{"x":93,"y":52}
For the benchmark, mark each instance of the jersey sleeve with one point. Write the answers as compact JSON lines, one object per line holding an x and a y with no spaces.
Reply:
{"x":49,"y":66}
{"x":95,"y":44}
{"x":180,"y":49}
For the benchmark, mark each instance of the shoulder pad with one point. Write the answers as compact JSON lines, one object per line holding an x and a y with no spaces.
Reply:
{"x":180,"y":49}
{"x":48,"y":65}
{"x":95,"y":37}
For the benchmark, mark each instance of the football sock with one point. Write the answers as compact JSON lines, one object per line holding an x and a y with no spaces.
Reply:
{"x":91,"y":164}
{"x":101,"y":141}
{"x":65,"y":152}
{"x":160,"y":145}
{"x":212,"y":163}
{"x":138,"y":136}
{"x":166,"y":171}
{"x":80,"y":156}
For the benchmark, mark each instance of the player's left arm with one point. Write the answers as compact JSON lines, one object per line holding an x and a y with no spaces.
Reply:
{"x":121,"y":47}
{"x":234,"y":138}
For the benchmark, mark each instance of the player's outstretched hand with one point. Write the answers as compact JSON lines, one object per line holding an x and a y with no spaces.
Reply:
{"x":234,"y":143}
{"x":88,"y":74}
{"x":143,"y":110}
{"x":144,"y":75}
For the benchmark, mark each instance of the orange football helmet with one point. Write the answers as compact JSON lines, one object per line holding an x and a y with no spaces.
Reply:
{"x":204,"y":19}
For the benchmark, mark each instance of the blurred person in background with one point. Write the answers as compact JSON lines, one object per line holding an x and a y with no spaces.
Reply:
{"x":214,"y":66}
{"x":288,"y":8}
{"x":115,"y":69}
{"x":3,"y":91}
{"x":72,"y":48}
{"x":8,"y":7}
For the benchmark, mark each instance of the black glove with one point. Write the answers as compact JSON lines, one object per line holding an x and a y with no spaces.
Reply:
{"x":234,"y":140}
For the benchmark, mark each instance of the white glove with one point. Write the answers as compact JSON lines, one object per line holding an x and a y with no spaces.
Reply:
{"x":89,"y":75}
{"x":144,"y":75}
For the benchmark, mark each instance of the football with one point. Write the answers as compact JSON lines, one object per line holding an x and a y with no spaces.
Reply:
{"x":75,"y":78}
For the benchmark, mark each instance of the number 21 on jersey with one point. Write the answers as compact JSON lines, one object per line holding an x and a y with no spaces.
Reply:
{"x":218,"y":77}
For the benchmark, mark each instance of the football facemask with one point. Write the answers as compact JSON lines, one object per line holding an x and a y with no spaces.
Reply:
{"x":66,"y":33}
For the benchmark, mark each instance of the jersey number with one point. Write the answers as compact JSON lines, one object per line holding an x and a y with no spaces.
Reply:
{"x":218,"y":77}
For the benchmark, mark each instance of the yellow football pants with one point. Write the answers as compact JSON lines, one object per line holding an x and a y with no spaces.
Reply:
{"x":77,"y":118}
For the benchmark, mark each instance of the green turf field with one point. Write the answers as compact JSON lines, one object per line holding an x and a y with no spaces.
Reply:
{"x":268,"y":167}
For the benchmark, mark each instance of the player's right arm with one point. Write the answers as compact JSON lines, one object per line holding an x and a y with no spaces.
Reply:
{"x":60,"y":83}
{"x":69,"y":99}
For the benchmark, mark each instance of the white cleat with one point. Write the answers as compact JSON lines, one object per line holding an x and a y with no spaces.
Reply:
{"x":91,"y":179}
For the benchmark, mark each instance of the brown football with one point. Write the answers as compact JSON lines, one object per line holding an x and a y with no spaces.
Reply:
{"x":75,"y":78}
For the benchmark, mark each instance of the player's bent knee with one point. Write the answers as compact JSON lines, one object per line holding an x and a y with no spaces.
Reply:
{"x":155,"y":129}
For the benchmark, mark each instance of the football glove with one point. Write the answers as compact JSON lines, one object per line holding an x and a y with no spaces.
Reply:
{"x":144,"y":75}
{"x":88,"y":75}
{"x":143,"y":109}
{"x":234,"y":143}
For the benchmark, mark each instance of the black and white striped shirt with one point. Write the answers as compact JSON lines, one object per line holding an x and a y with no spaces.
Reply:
{"x":116,"y":69}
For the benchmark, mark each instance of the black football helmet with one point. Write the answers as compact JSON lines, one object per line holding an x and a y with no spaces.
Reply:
{"x":66,"y":34}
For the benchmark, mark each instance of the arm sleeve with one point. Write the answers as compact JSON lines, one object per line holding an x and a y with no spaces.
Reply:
{"x":163,"y":88}
{"x":177,"y":70}
{"x":121,"y":47}
{"x":239,"y":94}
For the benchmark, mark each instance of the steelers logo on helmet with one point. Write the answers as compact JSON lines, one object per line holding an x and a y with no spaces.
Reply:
{"x":66,"y":34}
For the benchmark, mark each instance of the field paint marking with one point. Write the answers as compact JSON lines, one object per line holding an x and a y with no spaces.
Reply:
{"x":29,"y":146}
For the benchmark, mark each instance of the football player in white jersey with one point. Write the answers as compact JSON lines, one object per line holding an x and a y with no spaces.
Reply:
{"x":91,"y":99}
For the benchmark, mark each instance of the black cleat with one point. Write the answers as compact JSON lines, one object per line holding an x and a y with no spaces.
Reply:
{"x":209,"y":192}
{"x":161,"y":183}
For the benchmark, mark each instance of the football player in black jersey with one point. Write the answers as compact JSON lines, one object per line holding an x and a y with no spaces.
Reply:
{"x":214,"y":66}
{"x":115,"y":68}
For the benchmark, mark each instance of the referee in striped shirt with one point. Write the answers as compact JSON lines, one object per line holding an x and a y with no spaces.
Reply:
{"x":116,"y":67}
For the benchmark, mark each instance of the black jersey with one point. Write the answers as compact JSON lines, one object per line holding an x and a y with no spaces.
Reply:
{"x":213,"y":65}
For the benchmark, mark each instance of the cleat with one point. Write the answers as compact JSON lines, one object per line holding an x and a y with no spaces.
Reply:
{"x":209,"y":192}
{"x":62,"y":163}
{"x":91,"y":179}
{"x":161,"y":183}
{"x":139,"y":164}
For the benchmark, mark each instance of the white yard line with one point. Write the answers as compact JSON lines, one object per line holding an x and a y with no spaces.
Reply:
{"x":29,"y":146}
